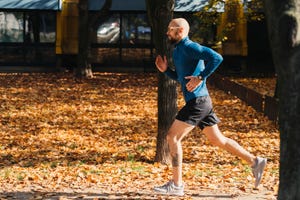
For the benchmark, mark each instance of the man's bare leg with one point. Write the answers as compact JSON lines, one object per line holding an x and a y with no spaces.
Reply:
{"x":215,"y":136}
{"x":176,"y":133}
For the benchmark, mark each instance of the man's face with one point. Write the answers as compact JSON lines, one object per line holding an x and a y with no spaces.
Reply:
{"x":172,"y":33}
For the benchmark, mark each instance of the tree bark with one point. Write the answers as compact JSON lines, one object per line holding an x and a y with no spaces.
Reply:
{"x":83,"y":68}
{"x":160,"y":13}
{"x":85,"y":28}
{"x":167,"y":109}
{"x":283,"y":25}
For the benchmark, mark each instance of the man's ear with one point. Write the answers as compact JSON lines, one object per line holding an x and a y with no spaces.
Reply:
{"x":181,"y":29}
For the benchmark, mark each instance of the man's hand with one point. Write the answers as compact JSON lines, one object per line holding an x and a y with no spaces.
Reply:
{"x":161,"y":63}
{"x":193,"y":83}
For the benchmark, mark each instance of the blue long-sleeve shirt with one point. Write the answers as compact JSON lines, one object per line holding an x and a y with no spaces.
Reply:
{"x":193,"y":59}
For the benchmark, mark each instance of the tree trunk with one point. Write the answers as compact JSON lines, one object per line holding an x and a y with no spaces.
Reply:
{"x":160,"y":13}
{"x":87,"y":23}
{"x":167,"y":109}
{"x":283,"y":25}
{"x":83,"y":68}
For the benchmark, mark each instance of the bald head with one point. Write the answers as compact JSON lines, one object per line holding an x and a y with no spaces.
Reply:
{"x":182,"y":23}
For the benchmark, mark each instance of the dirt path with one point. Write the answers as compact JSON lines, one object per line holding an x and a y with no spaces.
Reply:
{"x":97,"y":194}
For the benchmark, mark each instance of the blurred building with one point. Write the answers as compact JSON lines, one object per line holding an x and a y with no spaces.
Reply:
{"x":43,"y":33}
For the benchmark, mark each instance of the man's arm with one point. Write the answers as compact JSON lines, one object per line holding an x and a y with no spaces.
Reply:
{"x":162,"y":66}
{"x":172,"y":74}
{"x":212,"y":59}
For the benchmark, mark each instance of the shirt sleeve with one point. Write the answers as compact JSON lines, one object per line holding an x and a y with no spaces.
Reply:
{"x":172,"y":74}
{"x":211,"y":58}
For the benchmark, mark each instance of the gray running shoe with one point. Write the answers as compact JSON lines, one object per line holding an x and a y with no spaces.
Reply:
{"x":258,"y":169}
{"x":170,"y":189}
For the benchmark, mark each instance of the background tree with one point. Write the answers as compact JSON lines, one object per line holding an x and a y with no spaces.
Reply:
{"x":211,"y":14}
{"x":160,"y":13}
{"x":283,"y":24}
{"x":83,"y":65}
{"x":86,"y":25}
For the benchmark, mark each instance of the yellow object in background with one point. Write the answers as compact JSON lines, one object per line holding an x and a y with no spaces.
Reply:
{"x":235,"y":43}
{"x":67,"y":28}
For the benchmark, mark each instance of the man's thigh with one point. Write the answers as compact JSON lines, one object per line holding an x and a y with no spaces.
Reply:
{"x":179,"y":129}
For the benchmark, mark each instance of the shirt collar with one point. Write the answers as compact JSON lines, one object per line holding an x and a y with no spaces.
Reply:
{"x":183,"y":40}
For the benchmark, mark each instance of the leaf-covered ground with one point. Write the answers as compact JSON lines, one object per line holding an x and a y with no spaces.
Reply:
{"x":95,"y":139}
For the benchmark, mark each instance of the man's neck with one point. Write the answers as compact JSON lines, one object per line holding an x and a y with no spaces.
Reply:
{"x":180,"y":39}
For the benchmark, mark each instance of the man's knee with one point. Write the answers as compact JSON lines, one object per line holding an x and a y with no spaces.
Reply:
{"x":214,"y":136}
{"x":216,"y":141}
{"x":171,"y":138}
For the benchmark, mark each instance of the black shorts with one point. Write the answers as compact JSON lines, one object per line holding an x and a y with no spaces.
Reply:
{"x":198,"y":112}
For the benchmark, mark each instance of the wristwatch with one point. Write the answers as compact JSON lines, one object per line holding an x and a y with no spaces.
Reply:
{"x":200,"y":77}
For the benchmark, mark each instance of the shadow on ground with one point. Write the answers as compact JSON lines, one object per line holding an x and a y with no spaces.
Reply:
{"x":147,"y":195}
